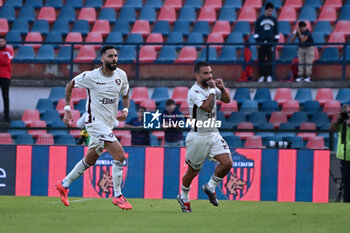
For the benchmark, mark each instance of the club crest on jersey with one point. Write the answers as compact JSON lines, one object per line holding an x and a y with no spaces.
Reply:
{"x":101,"y":175}
{"x":118,"y":81}
{"x":239,"y":179}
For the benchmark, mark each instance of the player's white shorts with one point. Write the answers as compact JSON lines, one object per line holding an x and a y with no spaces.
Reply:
{"x":202,"y":146}
{"x":99,"y":133}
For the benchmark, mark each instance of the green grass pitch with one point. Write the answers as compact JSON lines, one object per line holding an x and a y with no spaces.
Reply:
{"x":48,"y":214}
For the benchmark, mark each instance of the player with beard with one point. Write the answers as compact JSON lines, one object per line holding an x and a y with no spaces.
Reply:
{"x":201,"y":142}
{"x":104,"y":86}
{"x":6,"y":56}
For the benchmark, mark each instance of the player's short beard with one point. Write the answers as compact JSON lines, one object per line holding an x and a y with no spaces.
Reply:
{"x":204,"y":83}
{"x":109,"y":66}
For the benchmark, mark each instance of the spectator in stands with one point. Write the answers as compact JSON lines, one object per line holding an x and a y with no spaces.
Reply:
{"x":266,"y":31}
{"x":5,"y":76}
{"x":139,"y":137}
{"x":306,"y":52}
{"x":173,"y":135}
{"x":342,"y":126}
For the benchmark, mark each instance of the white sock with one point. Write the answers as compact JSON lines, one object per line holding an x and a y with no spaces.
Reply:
{"x":75,"y":173}
{"x":117,"y":171}
{"x":184,"y":193}
{"x":213,"y":182}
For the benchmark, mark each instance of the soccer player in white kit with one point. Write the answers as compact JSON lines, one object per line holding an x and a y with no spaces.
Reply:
{"x":204,"y":142}
{"x":104,"y":86}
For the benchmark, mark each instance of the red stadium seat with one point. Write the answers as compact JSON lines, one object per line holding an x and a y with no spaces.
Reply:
{"x":116,"y":4}
{"x":207,"y":14}
{"x":307,"y":126}
{"x":87,"y":13}
{"x":158,"y":134}
{"x":30,"y":115}
{"x":179,"y":94}
{"x":277,"y":118}
{"x":324,"y":95}
{"x":60,"y":106}
{"x":222,"y":27}
{"x":149,"y":104}
{"x":78,"y":94}
{"x":34,"y":37}
{"x":247,"y":14}
{"x":245,"y":125}
{"x":315,"y":143}
{"x":253,"y":142}
{"x":94,"y":37}
{"x":167,"y":14}
{"x":332,"y":108}
{"x":177,"y":4}
{"x":45,"y":139}
{"x":147,"y":54}
{"x":253,"y":3}
{"x":187,"y":54}
{"x":4,"y":27}
{"x":86,"y":54}
{"x":333,"y":3}
{"x":228,"y":108}
{"x":336,"y":38}
{"x":328,"y":14}
{"x":290,"y":107}
{"x":293,"y":3}
{"x":342,"y":26}
{"x":101,"y":26}
{"x":47,"y":13}
{"x":36,"y":132}
{"x":155,"y":38}
{"x":184,"y":107}
{"x":216,"y":4}
{"x":5,"y":138}
{"x":139,"y":94}
{"x":215,"y":38}
{"x":75,"y":37}
{"x":288,"y":14}
{"x":141,"y":27}
{"x":282,"y":95}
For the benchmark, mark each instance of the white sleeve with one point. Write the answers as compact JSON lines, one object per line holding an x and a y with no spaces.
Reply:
{"x":125,"y":86}
{"x":194,"y":98}
{"x":218,"y":94}
{"x":81,"y":121}
{"x":83,"y":80}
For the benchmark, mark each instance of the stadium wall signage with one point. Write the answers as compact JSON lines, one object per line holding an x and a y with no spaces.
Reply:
{"x":155,"y":173}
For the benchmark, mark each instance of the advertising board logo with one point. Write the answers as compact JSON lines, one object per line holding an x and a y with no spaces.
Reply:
{"x":239,"y":179}
{"x":151,"y":120}
{"x":101,"y":175}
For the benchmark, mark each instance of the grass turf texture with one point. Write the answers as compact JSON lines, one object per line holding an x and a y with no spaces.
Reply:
{"x":47,"y":214}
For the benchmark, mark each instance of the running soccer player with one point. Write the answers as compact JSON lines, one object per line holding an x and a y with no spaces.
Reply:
{"x":204,"y":140}
{"x":104,"y":86}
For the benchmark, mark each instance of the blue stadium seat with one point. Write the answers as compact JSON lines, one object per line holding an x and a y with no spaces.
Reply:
{"x":195,"y":38}
{"x":286,"y":126}
{"x":13,"y":38}
{"x":37,"y":4}
{"x":237,"y":4}
{"x":43,"y":105}
{"x":241,"y":94}
{"x":157,"y":4}
{"x":97,"y":4}
{"x":269,"y":106}
{"x":131,"y":114}
{"x":212,"y":55}
{"x":138,"y":4}
{"x":134,"y":38}
{"x":265,"y":126}
{"x":324,"y":27}
{"x":46,"y":53}
{"x":21,"y":26}
{"x":343,"y":95}
{"x":121,"y":26}
{"x":8,"y":12}
{"x":345,"y":13}
{"x":233,"y":141}
{"x":236,"y":118}
{"x":262,"y":95}
{"x":154,"y":141}
{"x":228,"y":54}
{"x":161,"y":105}
{"x":267,"y":139}
{"x":298,"y":118}
{"x":81,"y":26}
{"x":242,"y":27}
{"x":167,"y":54}
{"x":313,"y":3}
{"x":41,"y":26}
{"x":160,"y":94}
{"x":115,"y":37}
{"x":311,"y":107}
{"x":319,"y":118}
{"x":249,"y":106}
{"x":81,"y":106}
{"x":24,"y":139}
{"x":175,"y":37}
{"x":57,"y":4}
{"x":182,"y":27}
{"x":162,"y":27}
{"x":257,"y":118}
{"x":329,"y":54}
{"x":64,"y":139}
{"x":308,"y":13}
{"x":148,"y":13}
{"x":202,"y":27}
{"x":235,"y":37}
{"x":197,"y":4}
{"x":54,"y":37}
{"x":50,"y":116}
{"x":25,"y":54}
{"x":303,"y":95}
{"x":187,"y":14}
{"x":61,"y":26}
{"x":27,"y":13}
{"x":318,"y":38}
{"x":127,"y":14}
{"x":226,"y":125}
{"x":127,"y":54}
{"x":57,"y":93}
{"x":17,"y":124}
{"x":67,"y":14}
{"x":108,"y":14}
{"x":288,"y":54}
{"x":77,"y":4}
{"x":64,"y":55}
{"x":284,"y":27}
{"x":228,"y":14}
{"x":58,"y":124}
{"x":296,"y":142}
{"x":14,"y":3}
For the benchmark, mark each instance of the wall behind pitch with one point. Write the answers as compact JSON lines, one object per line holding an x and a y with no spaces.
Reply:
{"x":155,"y":173}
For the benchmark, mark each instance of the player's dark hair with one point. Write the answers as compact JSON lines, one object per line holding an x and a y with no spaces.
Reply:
{"x":3,"y":37}
{"x":105,"y":48}
{"x":302,"y":24}
{"x":198,"y":66}
{"x":269,"y":5}
{"x":170,"y":102}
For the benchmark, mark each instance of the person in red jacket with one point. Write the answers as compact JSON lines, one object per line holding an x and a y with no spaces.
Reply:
{"x":6,"y":56}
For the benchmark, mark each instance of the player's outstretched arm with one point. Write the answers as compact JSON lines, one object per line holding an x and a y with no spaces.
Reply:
{"x":67,"y":113}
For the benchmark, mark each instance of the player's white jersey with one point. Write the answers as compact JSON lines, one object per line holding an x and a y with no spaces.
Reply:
{"x":196,"y":96}
{"x":102,"y":93}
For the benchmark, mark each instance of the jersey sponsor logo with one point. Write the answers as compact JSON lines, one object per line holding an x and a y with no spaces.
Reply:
{"x":101,"y":175}
{"x":109,"y":101}
{"x":98,"y":83}
{"x":118,"y":81}
{"x":238,"y":181}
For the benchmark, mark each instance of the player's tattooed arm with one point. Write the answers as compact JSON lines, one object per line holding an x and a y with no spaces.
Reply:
{"x":225,"y":96}
{"x":126,"y":101}
{"x":69,"y":88}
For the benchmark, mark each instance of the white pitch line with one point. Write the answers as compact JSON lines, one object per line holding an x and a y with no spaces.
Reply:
{"x":78,"y":200}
